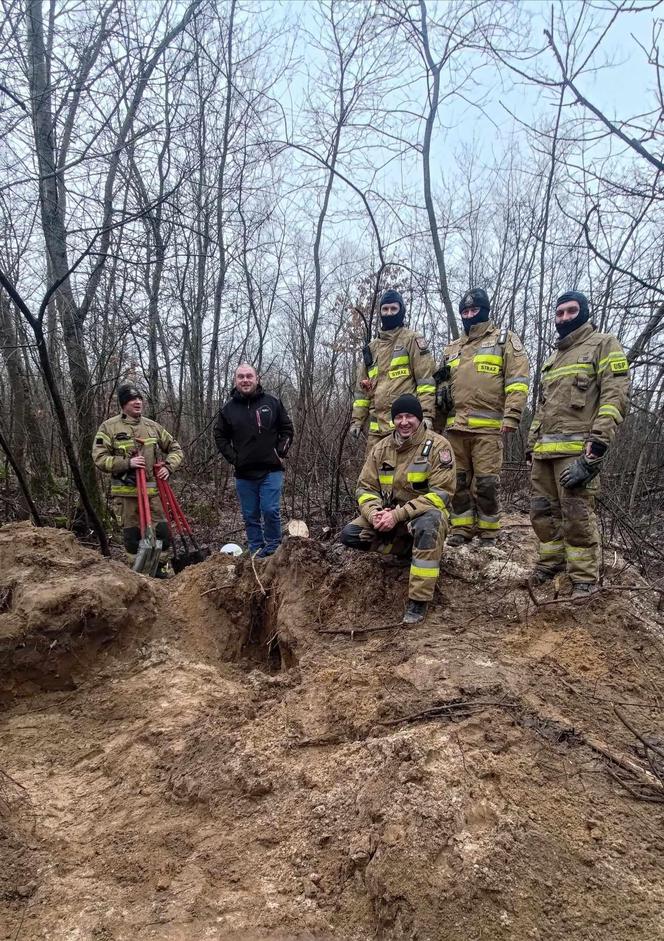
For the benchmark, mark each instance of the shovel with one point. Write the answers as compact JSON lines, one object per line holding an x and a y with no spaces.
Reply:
{"x":188,"y":552}
{"x":149,"y":548}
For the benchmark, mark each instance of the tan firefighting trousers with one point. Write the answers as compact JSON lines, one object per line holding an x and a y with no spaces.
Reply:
{"x":126,"y":509}
{"x":475,"y":505}
{"x":421,"y":539}
{"x":564,"y":522}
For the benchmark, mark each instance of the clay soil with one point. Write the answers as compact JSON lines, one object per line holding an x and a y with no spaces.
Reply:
{"x":266,"y":753}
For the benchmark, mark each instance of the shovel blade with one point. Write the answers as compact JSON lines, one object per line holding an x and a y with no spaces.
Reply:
{"x":148,"y":555}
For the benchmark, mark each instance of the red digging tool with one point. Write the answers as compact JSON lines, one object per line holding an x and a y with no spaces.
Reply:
{"x":149,"y":548}
{"x":185,"y":554}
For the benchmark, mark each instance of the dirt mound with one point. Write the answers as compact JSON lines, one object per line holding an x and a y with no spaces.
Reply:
{"x":277,"y":759}
{"x":59,"y":603}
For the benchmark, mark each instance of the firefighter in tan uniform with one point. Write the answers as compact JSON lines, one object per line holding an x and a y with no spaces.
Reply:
{"x":124,"y":443}
{"x":584,"y":397}
{"x":396,"y":362}
{"x":485,"y":389}
{"x":404,"y":493}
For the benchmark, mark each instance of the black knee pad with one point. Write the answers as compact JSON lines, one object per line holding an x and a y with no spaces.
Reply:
{"x":131,"y":536}
{"x":487,"y":486}
{"x":462,"y":480}
{"x":425,"y":529}
{"x":161,"y":532}
{"x":350,"y":536}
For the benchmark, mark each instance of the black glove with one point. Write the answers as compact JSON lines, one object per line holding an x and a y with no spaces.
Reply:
{"x":283,"y":446}
{"x":444,"y":399}
{"x":580,"y":472}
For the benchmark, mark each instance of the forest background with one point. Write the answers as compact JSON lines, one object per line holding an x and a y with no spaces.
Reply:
{"x":184,"y":186}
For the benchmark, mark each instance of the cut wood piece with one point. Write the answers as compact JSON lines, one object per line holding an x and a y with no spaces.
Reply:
{"x":298,"y":528}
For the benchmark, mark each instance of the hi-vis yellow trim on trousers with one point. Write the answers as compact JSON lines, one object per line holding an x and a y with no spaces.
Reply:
{"x":424,"y":569}
{"x":484,"y":423}
{"x":560,"y":447}
{"x":122,"y":490}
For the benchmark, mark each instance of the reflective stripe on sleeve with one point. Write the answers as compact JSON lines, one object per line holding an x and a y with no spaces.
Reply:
{"x":361,"y":403}
{"x":611,"y":411}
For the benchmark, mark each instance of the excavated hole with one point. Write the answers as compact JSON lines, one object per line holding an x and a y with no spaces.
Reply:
{"x":263,"y":647}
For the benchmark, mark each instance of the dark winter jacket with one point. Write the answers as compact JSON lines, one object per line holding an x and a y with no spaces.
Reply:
{"x":253,"y":433}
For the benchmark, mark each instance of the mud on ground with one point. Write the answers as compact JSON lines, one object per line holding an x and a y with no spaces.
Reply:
{"x":265,"y":753}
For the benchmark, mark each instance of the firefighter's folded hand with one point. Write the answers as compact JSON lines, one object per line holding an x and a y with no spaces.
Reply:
{"x":163,"y":472}
{"x":137,"y":461}
{"x":383,"y":521}
{"x":580,"y":472}
{"x":355,"y":432}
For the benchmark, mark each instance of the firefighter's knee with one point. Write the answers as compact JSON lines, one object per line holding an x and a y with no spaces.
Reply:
{"x":425,"y":529}
{"x":355,"y":537}
{"x":131,"y":536}
{"x":487,"y":487}
{"x":161,"y":532}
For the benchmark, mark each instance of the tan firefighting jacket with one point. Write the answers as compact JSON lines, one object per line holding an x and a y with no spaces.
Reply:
{"x":413,"y":477}
{"x":489,"y":380}
{"x":400,"y":363}
{"x":584,"y":394}
{"x":120,"y":438}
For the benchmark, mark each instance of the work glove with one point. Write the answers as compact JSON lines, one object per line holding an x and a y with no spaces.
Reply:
{"x":428,"y":424}
{"x":355,"y":432}
{"x":283,"y":446}
{"x":580,"y":472}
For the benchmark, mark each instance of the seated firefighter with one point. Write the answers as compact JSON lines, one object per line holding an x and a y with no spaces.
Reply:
{"x":124,"y":443}
{"x":404,"y":492}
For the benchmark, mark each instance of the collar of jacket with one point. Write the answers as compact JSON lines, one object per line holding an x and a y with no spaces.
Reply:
{"x":241,"y":397}
{"x":478,"y":330}
{"x":576,"y":336}
{"x":414,"y":440}
{"x":390,"y":334}
{"x":130,"y":421}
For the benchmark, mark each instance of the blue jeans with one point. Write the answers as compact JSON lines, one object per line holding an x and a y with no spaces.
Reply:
{"x":260,"y":502}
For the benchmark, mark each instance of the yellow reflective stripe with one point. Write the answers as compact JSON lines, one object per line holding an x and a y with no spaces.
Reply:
{"x":488,"y":358}
{"x":372,"y":372}
{"x":617,"y":361}
{"x":463,"y":520}
{"x":415,"y":477}
{"x":150,"y":440}
{"x":124,"y":445}
{"x":108,"y":463}
{"x":361,"y":403}
{"x":579,"y":553}
{"x":122,"y":490}
{"x":399,"y":361}
{"x":374,"y":426}
{"x":421,"y":572}
{"x":104,"y":438}
{"x":484,"y":423}
{"x":570,"y":370}
{"x":488,"y":524}
{"x":387,"y":479}
{"x":421,"y":390}
{"x":453,"y":363}
{"x":550,"y":447}
{"x":365,"y":497}
{"x":450,"y":421}
{"x":516,"y":387}
{"x":610,"y":410}
{"x":435,"y":499}
{"x":548,"y":549}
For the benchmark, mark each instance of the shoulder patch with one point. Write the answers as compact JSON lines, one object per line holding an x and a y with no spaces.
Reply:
{"x":422,"y":344}
{"x":517,"y":345}
{"x":445,"y":457}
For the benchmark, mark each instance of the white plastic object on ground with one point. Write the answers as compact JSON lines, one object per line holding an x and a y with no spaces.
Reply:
{"x":231,"y":548}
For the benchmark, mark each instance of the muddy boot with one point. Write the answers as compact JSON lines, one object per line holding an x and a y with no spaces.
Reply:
{"x":415,"y":612}
{"x":583,"y":591}
{"x":163,"y":571}
{"x":456,"y":539}
{"x":540,"y":577}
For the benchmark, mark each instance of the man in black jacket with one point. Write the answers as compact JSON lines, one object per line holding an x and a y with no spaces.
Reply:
{"x":254,"y":432}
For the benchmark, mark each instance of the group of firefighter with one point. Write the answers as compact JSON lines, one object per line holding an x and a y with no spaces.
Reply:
{"x":434,"y":454}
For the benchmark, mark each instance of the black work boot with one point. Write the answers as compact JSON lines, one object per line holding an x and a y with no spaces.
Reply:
{"x":415,"y":612}
{"x":583,"y":591}
{"x":456,"y":539}
{"x":163,"y":571}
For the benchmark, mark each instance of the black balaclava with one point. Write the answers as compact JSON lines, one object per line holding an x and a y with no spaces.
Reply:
{"x":582,"y":317}
{"x":391,"y":323}
{"x":406,"y":403}
{"x":128,"y":392}
{"x":476,"y":297}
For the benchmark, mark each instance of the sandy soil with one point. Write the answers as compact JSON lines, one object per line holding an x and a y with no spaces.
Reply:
{"x":267,"y":754}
